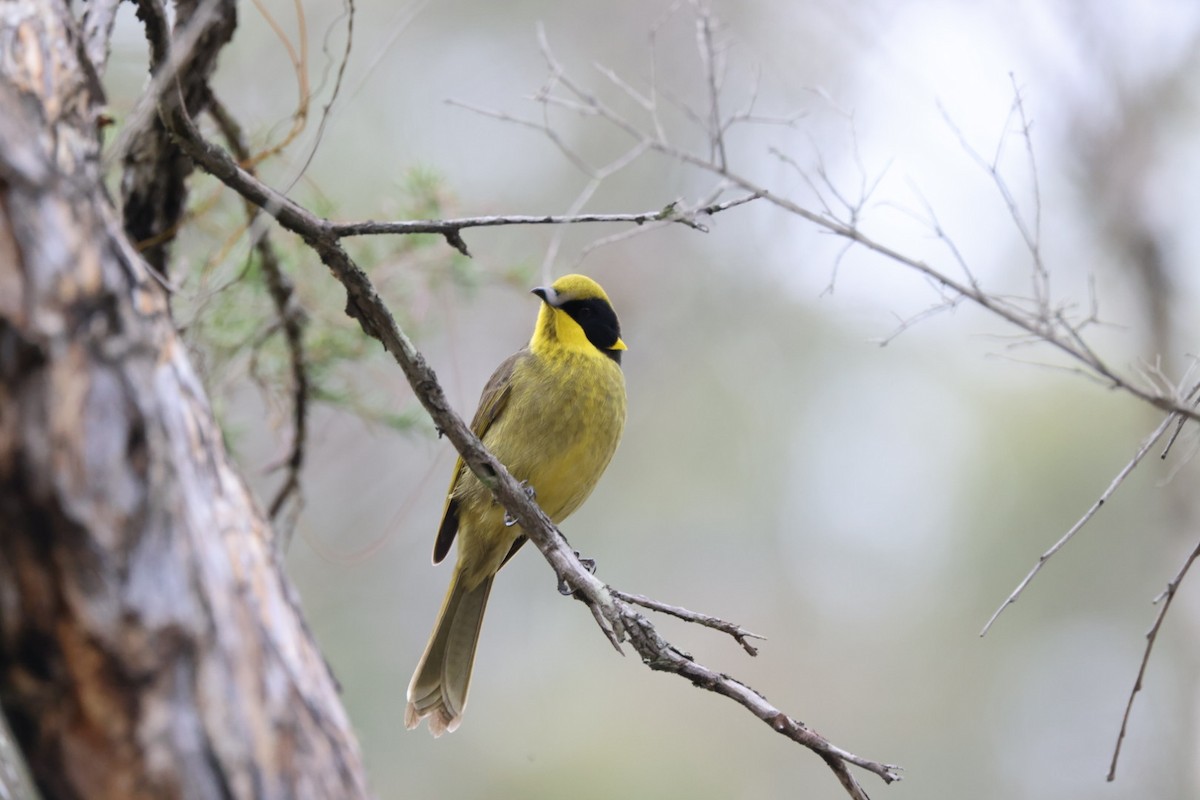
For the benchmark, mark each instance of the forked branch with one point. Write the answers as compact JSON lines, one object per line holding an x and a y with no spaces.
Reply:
{"x":1037,"y":318}
{"x":365,"y":305}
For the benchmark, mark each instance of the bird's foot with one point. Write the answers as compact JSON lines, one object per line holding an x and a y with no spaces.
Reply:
{"x":509,"y":519}
{"x":588,"y":563}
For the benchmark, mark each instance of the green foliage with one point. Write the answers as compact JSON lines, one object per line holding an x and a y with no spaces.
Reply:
{"x":423,"y":188}
{"x":235,"y":331}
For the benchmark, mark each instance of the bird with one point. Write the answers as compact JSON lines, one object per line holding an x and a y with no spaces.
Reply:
{"x":553,"y":414}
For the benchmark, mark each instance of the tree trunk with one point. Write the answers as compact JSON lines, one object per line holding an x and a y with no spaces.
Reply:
{"x":15,"y":782}
{"x":150,"y":646}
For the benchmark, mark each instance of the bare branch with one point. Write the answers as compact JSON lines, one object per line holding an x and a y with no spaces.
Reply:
{"x":596,"y":178}
{"x":711,"y":57}
{"x":992,"y":169}
{"x":1069,"y":370}
{"x":669,"y":213}
{"x":660,"y":655}
{"x":935,"y":226}
{"x":647,"y":103}
{"x":1190,"y":396}
{"x":404,"y":16}
{"x":1041,"y":276}
{"x":1039,"y":323}
{"x":1151,"y":636}
{"x":706,"y":207}
{"x":365,"y":306}
{"x":920,"y":316}
{"x":328,"y":108}
{"x":1038,"y":318}
{"x":739,"y":634}
{"x":1174,"y":435}
{"x":291,"y":319}
{"x":1091,"y":512}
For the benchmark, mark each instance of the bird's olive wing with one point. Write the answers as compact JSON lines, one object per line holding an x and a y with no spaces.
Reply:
{"x":491,"y":406}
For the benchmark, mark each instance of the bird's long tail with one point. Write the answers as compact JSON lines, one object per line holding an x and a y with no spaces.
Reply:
{"x":438,"y":689}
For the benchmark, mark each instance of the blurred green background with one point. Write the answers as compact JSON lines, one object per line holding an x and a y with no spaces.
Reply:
{"x":866,"y":508}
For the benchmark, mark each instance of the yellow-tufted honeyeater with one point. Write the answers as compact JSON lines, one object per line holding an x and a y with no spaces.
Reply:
{"x":552,"y":413}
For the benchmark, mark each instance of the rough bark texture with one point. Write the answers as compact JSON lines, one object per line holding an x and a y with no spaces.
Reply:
{"x":149,"y":645}
{"x":154,"y":180}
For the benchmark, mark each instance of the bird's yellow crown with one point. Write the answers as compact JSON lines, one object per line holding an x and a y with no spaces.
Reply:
{"x":578,"y":287}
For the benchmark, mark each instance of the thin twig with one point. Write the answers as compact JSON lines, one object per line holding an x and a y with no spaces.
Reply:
{"x":1041,"y":276}
{"x":739,"y":634}
{"x":291,"y":321}
{"x":908,"y":322}
{"x":935,"y":226}
{"x":669,"y":213}
{"x":706,"y":207}
{"x":596,"y":178}
{"x":328,"y":107}
{"x":1036,"y":324}
{"x":710,"y":56}
{"x":1165,"y":598}
{"x":660,"y":655}
{"x":1191,"y":393}
{"x":404,"y":16}
{"x":1091,"y":512}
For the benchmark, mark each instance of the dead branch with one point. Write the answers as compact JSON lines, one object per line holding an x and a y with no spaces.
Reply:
{"x":1040,"y":322}
{"x":1148,"y":443}
{"x":1165,"y":598}
{"x":1038,"y":318}
{"x":290,"y":317}
{"x":739,"y":634}
{"x":364,"y":305}
{"x":672,"y":212}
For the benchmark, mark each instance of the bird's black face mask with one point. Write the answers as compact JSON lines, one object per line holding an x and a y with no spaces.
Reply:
{"x":599,"y":323}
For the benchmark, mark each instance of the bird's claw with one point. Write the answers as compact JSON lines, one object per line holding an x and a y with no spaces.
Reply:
{"x":509,"y":519}
{"x":588,"y":563}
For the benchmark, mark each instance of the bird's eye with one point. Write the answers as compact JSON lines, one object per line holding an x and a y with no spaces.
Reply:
{"x":585,"y":311}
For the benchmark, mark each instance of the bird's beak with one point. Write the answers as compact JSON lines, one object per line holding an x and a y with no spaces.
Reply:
{"x":620,"y":345}
{"x":548,"y":295}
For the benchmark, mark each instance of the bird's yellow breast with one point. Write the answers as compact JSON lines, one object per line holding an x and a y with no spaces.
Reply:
{"x":558,"y":431}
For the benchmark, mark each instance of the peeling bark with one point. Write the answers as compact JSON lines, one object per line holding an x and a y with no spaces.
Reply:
{"x":149,"y":645}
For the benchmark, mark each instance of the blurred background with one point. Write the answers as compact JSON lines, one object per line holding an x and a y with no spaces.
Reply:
{"x":865,"y":507}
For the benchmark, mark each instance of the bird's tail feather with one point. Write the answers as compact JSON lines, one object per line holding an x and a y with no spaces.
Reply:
{"x":438,"y":689}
